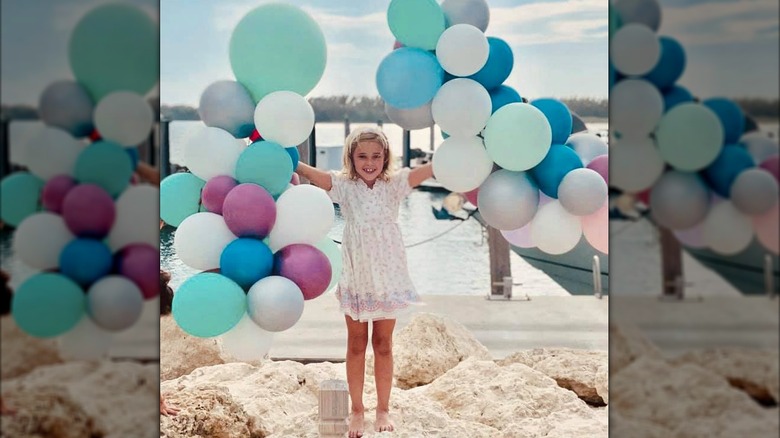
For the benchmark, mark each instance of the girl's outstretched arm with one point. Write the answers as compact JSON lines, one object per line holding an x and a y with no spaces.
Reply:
{"x":420,"y":174}
{"x":317,"y":177}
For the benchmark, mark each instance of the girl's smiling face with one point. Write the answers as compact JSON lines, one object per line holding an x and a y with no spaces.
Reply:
{"x":369,"y":161}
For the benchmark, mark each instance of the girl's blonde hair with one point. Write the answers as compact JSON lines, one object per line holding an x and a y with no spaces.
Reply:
{"x":365,"y":135}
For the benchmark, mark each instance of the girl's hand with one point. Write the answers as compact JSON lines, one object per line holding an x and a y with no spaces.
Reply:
{"x":420,"y":174}
{"x":317,"y":177}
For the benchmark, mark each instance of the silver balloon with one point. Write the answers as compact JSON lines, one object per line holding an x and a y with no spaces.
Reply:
{"x":228,"y":105}
{"x":647,"y":12}
{"x":508,"y":200}
{"x":411,"y":119}
{"x":634,"y":49}
{"x":582,"y":192}
{"x":679,"y":200}
{"x":760,"y":146}
{"x":635,"y":108}
{"x":115,"y":303}
{"x":473,"y":12}
{"x":275,"y":303}
{"x":754,"y":191}
{"x":67,"y":105}
{"x":587,"y":145}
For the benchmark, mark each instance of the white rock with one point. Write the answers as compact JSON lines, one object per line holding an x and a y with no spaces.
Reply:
{"x":181,"y":353}
{"x":20,"y":353}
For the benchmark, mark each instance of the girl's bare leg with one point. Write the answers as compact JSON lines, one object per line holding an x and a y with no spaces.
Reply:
{"x":382,"y":343}
{"x":357,"y":340}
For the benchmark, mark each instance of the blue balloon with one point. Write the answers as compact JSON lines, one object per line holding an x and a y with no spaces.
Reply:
{"x":732,"y":161}
{"x":670,"y":65}
{"x":134,"y":157}
{"x":498,"y":66}
{"x":675,"y":96}
{"x":294,"y":155}
{"x":180,"y":197}
{"x":20,"y":195}
{"x":731,"y":117}
{"x":503,"y":95}
{"x":246,"y":261}
{"x":85,"y":261}
{"x":48,"y":305}
{"x":208,"y":305}
{"x":409,"y":78}
{"x":559,"y":161}
{"x":558,"y":115}
{"x":104,"y":164}
{"x":266,"y":164}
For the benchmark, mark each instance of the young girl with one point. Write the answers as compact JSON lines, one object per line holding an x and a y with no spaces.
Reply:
{"x":375,"y":284}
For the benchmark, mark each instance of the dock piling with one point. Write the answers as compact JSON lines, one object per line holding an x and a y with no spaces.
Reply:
{"x":333,"y":408}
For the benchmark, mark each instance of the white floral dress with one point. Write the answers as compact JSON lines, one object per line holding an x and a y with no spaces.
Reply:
{"x":375,"y":282}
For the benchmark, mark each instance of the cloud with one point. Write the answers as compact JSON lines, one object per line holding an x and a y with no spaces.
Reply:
{"x":721,"y":23}
{"x":67,"y":15}
{"x":572,"y":21}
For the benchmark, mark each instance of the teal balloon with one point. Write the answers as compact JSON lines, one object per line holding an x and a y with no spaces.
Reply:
{"x":180,"y":197}
{"x":208,"y":305}
{"x":105,"y":164}
{"x":277,"y":47}
{"x":416,"y":23}
{"x":295,"y":156}
{"x":503,"y":95}
{"x":20,"y":195}
{"x":615,"y":23}
{"x":267,"y":164}
{"x":115,"y":47}
{"x":48,"y":305}
{"x":333,"y":252}
{"x":518,"y":136}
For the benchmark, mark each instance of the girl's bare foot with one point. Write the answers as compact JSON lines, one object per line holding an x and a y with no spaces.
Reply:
{"x":383,"y":422}
{"x":356,"y":424}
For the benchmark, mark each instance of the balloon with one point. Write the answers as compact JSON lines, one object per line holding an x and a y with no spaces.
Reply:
{"x":114,"y":303}
{"x":295,"y":180}
{"x":679,"y":200}
{"x":20,"y":192}
{"x":772,"y":165}
{"x":86,"y":341}
{"x":208,"y":305}
{"x":140,"y":262}
{"x":180,"y":197}
{"x":66,"y":105}
{"x":137,"y":218}
{"x":558,"y":162}
{"x":559,"y":117}
{"x":277,"y":47}
{"x":304,"y":214}
{"x":731,"y":161}
{"x":689,"y":137}
{"x":636,"y":164}
{"x":726,"y":230}
{"x":675,"y":96}
{"x":473,"y":12}
{"x":601,"y":165}
{"x":249,"y":211}
{"x":47,"y":305}
{"x":115,"y":47}
{"x":409,"y":78}
{"x":275,"y":303}
{"x":307,"y":266}
{"x":508,"y":200}
{"x":635,"y":108}
{"x":416,"y":23}
{"x":295,"y":156}
{"x":647,"y":12}
{"x":692,"y":237}
{"x":124,"y":118}
{"x":462,"y":50}
{"x":85,"y":261}
{"x":39,"y":240}
{"x":255,"y":136}
{"x":634,"y":50}
{"x":285,"y":118}
{"x":461,"y":107}
{"x":52,"y":152}
{"x":472,"y":196}
{"x":754,"y":191}
{"x":246,"y":261}
{"x":333,"y":252}
{"x":670,"y":65}
{"x":104,"y":164}
{"x":595,"y":227}
{"x":227,"y":105}
{"x":554,"y":230}
{"x":767,"y":229}
{"x":503,"y":95}
{"x":200,"y":240}
{"x":89,"y":211}
{"x":518,"y":136}
{"x":587,"y":145}
{"x":213,"y":152}
{"x":266,"y":164}
{"x":759,"y":145}
{"x":461,"y":163}
{"x":582,"y":192}
{"x":520,"y":237}
{"x":614,"y":22}
{"x":730,"y":115}
{"x":54,"y":192}
{"x":411,"y":119}
{"x":498,"y":66}
{"x":215,"y":191}
{"x":246,"y":342}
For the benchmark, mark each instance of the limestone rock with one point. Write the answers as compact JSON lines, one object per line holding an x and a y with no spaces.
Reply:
{"x":181,"y":353}
{"x":208,"y":411}
{"x":621,"y":426}
{"x":45,"y":412}
{"x":627,"y":344}
{"x":20,"y":353}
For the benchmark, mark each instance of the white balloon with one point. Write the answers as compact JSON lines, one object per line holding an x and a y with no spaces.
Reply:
{"x":86,"y":341}
{"x":213,"y":152}
{"x":634,"y":49}
{"x":554,"y":230}
{"x":115,"y":303}
{"x":52,"y":152}
{"x":39,"y":240}
{"x":726,"y":230}
{"x":124,"y":117}
{"x":246,"y":342}
{"x":137,"y":217}
{"x":200,"y":239}
{"x":304,"y":214}
{"x":461,"y":164}
{"x":588,"y":146}
{"x":275,"y":303}
{"x":285,"y":118}
{"x":760,"y":146}
{"x":462,"y":50}
{"x":582,"y":192}
{"x":635,"y":164}
{"x":635,"y":108}
{"x":755,"y":191}
{"x":461,"y":107}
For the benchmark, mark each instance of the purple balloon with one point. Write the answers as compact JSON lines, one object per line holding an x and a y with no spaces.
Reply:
{"x":89,"y":211}
{"x":306,"y":266}
{"x":140,"y":264}
{"x":771,"y":165}
{"x":215,"y":191}
{"x":601,"y":165}
{"x":249,"y":211}
{"x":54,"y":192}
{"x":520,"y":237}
